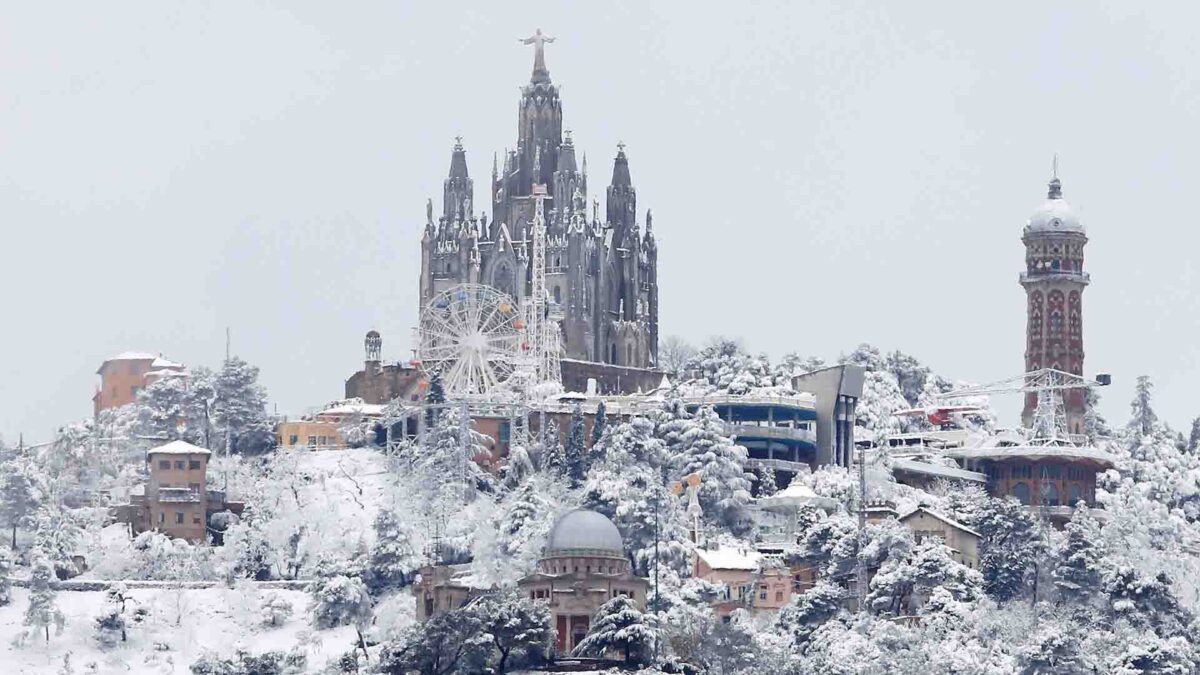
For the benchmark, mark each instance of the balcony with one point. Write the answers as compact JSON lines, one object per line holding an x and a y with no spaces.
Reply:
{"x":779,"y":464}
{"x":1056,"y":275}
{"x":773,"y":433}
{"x":178,"y":495}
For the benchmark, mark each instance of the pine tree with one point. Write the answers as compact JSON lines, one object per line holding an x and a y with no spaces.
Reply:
{"x":618,"y":625}
{"x":599,"y":424}
{"x":7,"y":564}
{"x":809,"y":610}
{"x":767,"y":485}
{"x":724,"y":489}
{"x":1079,"y":571}
{"x":339,"y":601}
{"x":393,"y":559}
{"x":1193,"y":444}
{"x":519,"y":628}
{"x":575,"y":458}
{"x":20,"y":496}
{"x":240,"y":407}
{"x":553,"y":458}
{"x":1011,"y":547}
{"x":42,"y":610}
{"x":1142,"y":419}
{"x":162,"y":409}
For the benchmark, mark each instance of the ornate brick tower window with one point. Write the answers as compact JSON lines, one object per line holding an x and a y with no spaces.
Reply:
{"x":1054,"y":281}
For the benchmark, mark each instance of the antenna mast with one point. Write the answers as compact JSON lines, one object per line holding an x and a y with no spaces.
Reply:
{"x":542,"y":330}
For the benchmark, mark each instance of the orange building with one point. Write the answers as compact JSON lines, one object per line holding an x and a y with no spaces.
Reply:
{"x":750,"y":580}
{"x":124,"y":375}
{"x":176,"y":501}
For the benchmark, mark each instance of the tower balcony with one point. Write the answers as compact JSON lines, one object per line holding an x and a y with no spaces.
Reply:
{"x":1055,"y":275}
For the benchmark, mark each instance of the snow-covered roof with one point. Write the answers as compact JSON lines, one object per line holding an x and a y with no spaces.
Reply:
{"x":354,"y":408}
{"x":133,"y":356}
{"x":940,"y":516}
{"x":795,"y":495}
{"x":178,"y":448}
{"x":730,"y":558}
{"x":160,"y":362}
{"x":583,"y":530}
{"x":930,"y":469}
{"x":1026,"y":451}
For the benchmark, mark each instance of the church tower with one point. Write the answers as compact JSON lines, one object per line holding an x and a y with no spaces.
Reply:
{"x":601,"y":273}
{"x":1054,"y":282}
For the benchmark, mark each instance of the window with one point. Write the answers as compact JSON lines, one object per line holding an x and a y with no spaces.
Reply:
{"x":162,"y":516}
{"x":164,"y":464}
{"x":293,"y":439}
{"x":312,"y":441}
{"x":1022,"y":471}
{"x":196,"y":519}
{"x":762,"y":595}
{"x":179,"y":464}
{"x":1051,"y":471}
{"x":778,"y":596}
{"x":194,"y":487}
{"x":557,"y":295}
{"x":1021,"y":492}
{"x":322,"y":440}
{"x":179,"y":517}
{"x":193,"y":464}
{"x":1049,"y":494}
{"x":1076,"y":494}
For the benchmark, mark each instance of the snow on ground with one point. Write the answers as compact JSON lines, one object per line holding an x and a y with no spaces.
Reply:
{"x":187,"y":623}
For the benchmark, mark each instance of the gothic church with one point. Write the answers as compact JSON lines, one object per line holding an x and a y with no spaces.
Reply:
{"x":602,"y":276}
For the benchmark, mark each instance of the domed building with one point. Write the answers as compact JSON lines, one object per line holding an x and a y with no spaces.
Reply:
{"x":582,"y":567}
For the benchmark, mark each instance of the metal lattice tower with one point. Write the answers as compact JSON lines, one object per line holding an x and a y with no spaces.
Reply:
{"x":543,"y":332}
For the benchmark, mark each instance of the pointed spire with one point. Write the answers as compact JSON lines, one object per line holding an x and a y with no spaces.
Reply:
{"x":494,"y":167}
{"x":458,"y":160}
{"x":620,"y":175}
{"x":1055,"y":185}
{"x":566,"y":153}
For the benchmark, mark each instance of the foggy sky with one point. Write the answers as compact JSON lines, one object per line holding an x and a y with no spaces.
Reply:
{"x":820,"y":177}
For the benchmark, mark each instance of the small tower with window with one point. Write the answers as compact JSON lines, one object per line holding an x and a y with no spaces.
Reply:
{"x":1054,"y":282}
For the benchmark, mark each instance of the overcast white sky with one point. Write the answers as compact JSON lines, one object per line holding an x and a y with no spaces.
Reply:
{"x":820,"y":176}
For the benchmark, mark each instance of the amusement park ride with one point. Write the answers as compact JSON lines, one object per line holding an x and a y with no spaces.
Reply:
{"x":478,"y":338}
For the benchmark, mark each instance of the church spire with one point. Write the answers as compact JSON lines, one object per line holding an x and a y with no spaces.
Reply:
{"x":458,"y":188}
{"x":458,"y":160}
{"x":620,"y":175}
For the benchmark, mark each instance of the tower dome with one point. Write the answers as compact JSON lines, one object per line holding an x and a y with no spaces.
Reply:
{"x":1055,"y":215}
{"x":583,"y":532}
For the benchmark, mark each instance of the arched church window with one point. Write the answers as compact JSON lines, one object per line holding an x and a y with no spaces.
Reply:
{"x":613,"y":351}
{"x":557,"y":295}
{"x":1021,"y":492}
{"x":1076,"y":494}
{"x":629,"y":355}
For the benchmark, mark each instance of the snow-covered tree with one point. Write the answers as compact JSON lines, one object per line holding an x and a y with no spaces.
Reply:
{"x":809,"y":610}
{"x":42,"y":611}
{"x":446,"y":468}
{"x":767,"y":482}
{"x":673,"y":355}
{"x":240,"y":408}
{"x":619,"y":626}
{"x":793,"y":364}
{"x":339,"y":601}
{"x":20,"y":495}
{"x":393,"y":558}
{"x":450,"y":643}
{"x":1193,"y":444}
{"x":1011,"y":547}
{"x":724,"y":366}
{"x":163,"y":411}
{"x":520,"y":629}
{"x":1080,"y":568}
{"x":1142,"y":419}
{"x":1054,"y":648}
{"x":7,"y":563}
{"x":58,"y":535}
{"x":901,"y":585}
{"x":274,"y":610}
{"x":549,"y":449}
{"x":575,"y":457}
{"x":1146,"y":600}
{"x":599,"y":425}
{"x":114,"y":621}
{"x":724,"y":491}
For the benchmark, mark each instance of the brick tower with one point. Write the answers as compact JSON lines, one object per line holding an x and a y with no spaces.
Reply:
{"x":1054,"y":281}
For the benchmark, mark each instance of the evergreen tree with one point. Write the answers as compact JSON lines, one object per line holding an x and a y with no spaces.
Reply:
{"x":446,"y":644}
{"x":57,"y":534}
{"x":618,"y":625}
{"x":20,"y":496}
{"x":339,"y":601}
{"x":809,"y":610}
{"x":553,"y":458}
{"x":1142,"y":419}
{"x":434,"y":395}
{"x":393,"y":559}
{"x":113,"y":623}
{"x":7,"y":564}
{"x":902,"y":582}
{"x":520,"y":629}
{"x":1079,"y":571}
{"x":575,"y":459}
{"x":599,"y":424}
{"x":240,"y":408}
{"x":767,"y":485}
{"x":724,"y":489}
{"x":162,"y":410}
{"x":43,"y":609}
{"x":275,"y":610}
{"x":1010,"y":548}
{"x":1193,"y":444}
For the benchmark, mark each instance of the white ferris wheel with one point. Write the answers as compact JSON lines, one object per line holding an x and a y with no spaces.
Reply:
{"x":473,"y":335}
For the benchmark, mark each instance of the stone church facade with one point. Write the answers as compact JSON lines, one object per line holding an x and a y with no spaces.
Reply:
{"x":601,"y":275}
